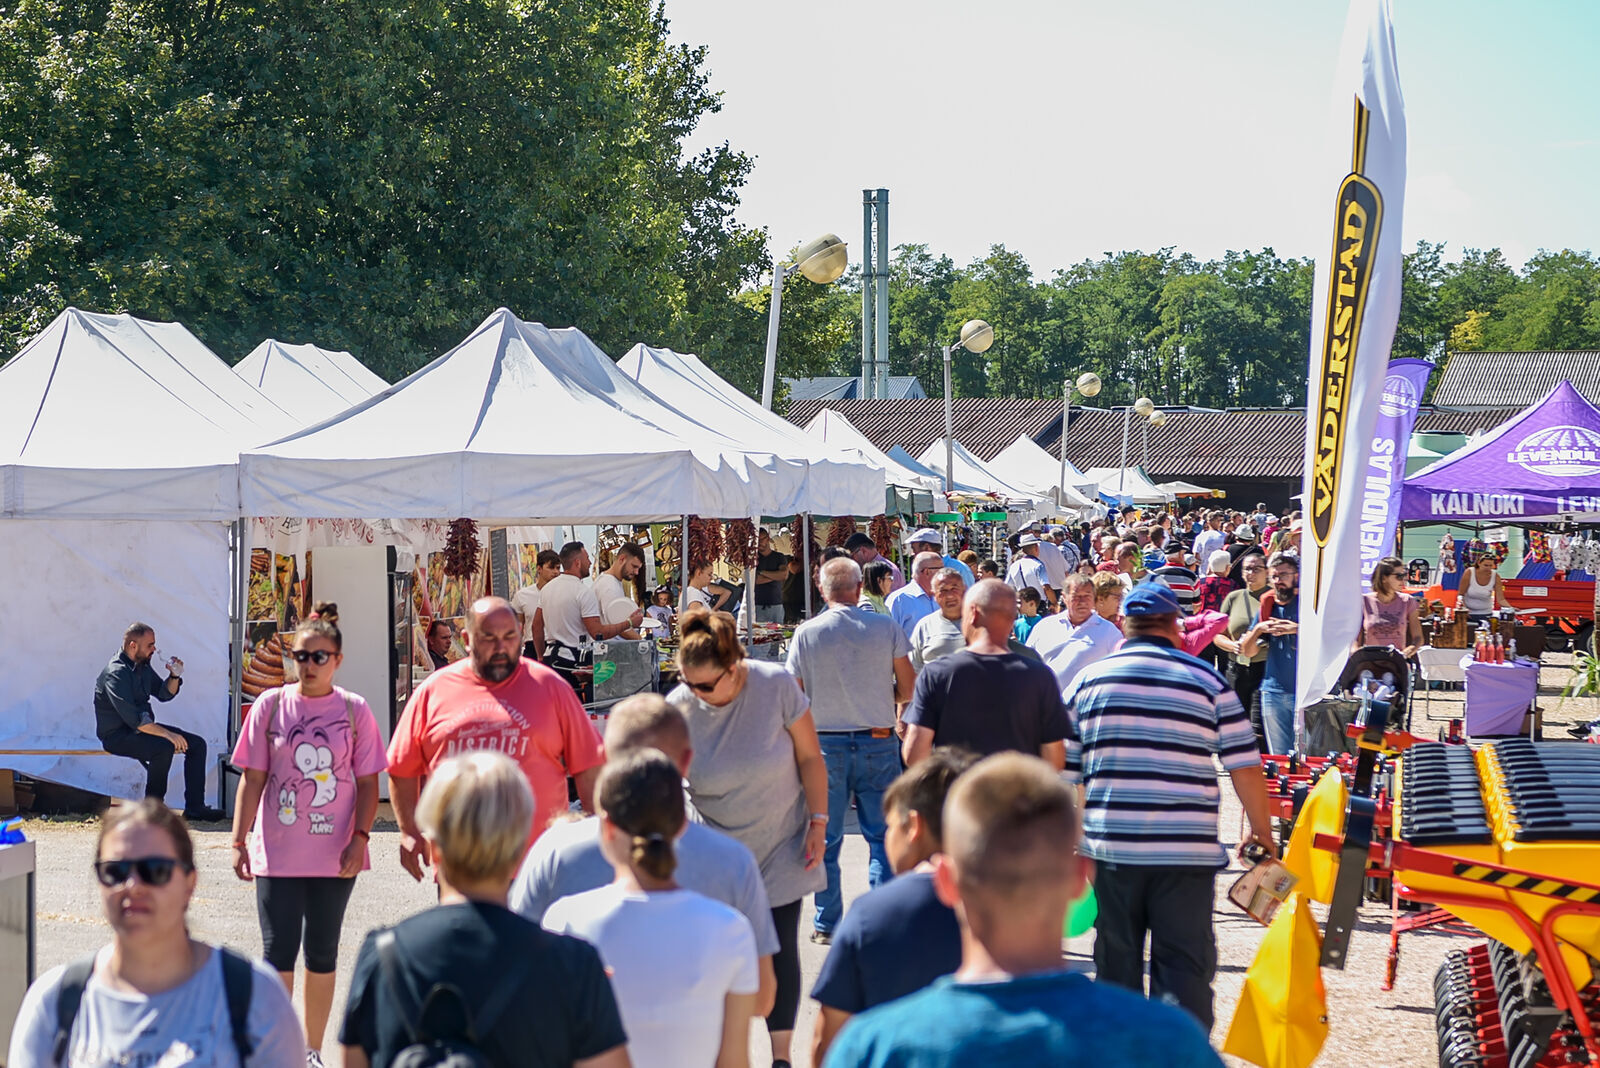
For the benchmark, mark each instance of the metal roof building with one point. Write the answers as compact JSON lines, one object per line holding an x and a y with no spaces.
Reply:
{"x":839,"y":388}
{"x":1514,"y":380}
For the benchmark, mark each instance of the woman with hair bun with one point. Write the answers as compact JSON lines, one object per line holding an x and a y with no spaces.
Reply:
{"x":310,"y":754}
{"x":758,"y":775}
{"x":683,"y":966}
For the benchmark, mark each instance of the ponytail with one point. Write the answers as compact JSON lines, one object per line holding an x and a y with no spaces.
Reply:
{"x":708,"y":639}
{"x":641,"y":794}
{"x":653,"y":854}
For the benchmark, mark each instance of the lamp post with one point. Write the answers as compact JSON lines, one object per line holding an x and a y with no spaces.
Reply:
{"x":976,"y":337}
{"x":1088,"y":385}
{"x":1157,"y":418}
{"x":822,"y":261}
{"x":1144,"y":408}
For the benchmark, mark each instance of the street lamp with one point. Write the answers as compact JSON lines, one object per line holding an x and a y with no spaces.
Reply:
{"x":976,"y":337}
{"x":822,"y":261}
{"x":1144,"y":408}
{"x":1157,"y":418}
{"x":1088,"y":385}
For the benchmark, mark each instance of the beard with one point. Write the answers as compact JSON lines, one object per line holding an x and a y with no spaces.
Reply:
{"x":497,"y":668}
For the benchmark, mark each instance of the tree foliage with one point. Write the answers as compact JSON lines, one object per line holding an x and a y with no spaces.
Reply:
{"x":371,"y":174}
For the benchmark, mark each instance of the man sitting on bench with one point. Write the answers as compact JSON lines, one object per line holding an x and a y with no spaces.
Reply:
{"x":127,"y":726}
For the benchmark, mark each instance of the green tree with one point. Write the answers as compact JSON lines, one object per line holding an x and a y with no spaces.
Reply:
{"x":1556,"y":306}
{"x":376,"y":174}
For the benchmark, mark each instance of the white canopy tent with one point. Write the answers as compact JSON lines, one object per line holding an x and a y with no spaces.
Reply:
{"x":1180,"y":488}
{"x":119,"y":443}
{"x":833,"y":428}
{"x":912,"y":464}
{"x":840,"y":481}
{"x":517,"y":423}
{"x":1024,"y":464}
{"x":311,"y":382}
{"x":1130,"y":484}
{"x":970,"y":470}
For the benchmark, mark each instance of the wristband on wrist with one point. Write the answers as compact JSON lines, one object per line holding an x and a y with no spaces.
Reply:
{"x":364,"y":833}
{"x":819,"y":817}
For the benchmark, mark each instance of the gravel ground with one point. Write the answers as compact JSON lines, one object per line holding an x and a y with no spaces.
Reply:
{"x":1368,"y":1025}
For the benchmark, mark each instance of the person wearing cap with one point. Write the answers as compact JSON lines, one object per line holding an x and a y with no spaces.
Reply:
{"x":1056,"y":567}
{"x":1277,"y":629}
{"x":911,"y":602}
{"x":1146,"y":722}
{"x":927,"y":540}
{"x":863,"y":550}
{"x":1027,"y":570}
{"x":1244,"y":543}
{"x":1176,"y":574}
{"x":1062,"y":539}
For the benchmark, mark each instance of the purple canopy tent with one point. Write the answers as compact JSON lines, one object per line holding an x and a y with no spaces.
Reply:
{"x":1543,"y":464}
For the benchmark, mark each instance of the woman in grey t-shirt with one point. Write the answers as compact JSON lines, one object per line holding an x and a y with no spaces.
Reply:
{"x":758,"y":775}
{"x":155,"y":996}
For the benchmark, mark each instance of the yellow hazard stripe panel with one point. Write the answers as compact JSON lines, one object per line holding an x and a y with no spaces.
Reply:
{"x":1530,"y":884}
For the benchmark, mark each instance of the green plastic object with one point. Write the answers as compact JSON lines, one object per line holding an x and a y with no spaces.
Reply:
{"x":1081,"y":914}
{"x":604,"y":670}
{"x":945,"y":517}
{"x":989,"y":517}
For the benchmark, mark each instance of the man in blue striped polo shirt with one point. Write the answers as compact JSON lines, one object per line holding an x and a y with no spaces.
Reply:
{"x":1147,"y":722}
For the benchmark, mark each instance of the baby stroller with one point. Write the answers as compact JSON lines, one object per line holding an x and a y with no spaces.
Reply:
{"x":1378,"y":669}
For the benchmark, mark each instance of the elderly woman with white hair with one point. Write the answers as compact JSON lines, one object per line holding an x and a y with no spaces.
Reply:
{"x":471,"y":966}
{"x":1210,"y":592}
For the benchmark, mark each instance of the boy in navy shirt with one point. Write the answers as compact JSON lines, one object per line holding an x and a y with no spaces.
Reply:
{"x":899,"y":937}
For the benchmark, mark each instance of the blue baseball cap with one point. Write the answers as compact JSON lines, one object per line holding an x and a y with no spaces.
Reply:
{"x":1150,"y":599}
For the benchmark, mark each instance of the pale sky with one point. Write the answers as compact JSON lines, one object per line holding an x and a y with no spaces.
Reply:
{"x":1064,"y":129}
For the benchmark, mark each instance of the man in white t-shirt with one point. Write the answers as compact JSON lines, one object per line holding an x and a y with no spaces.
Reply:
{"x":568,"y":613}
{"x":1071,"y":641}
{"x":1026,"y":570}
{"x":611,"y":587}
{"x":525,"y":602}
{"x":1055,"y":568}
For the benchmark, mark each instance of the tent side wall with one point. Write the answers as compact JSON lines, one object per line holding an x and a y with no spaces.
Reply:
{"x":72,"y":586}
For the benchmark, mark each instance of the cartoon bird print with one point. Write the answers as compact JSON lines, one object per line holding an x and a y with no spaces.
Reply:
{"x":314,"y":758}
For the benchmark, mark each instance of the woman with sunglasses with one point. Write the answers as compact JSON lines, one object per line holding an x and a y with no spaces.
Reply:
{"x":758,"y":775}
{"x":1388,"y":615}
{"x":154,"y":995}
{"x":310,"y":754}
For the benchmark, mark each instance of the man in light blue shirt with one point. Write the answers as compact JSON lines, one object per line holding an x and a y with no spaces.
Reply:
{"x":914,"y":600}
{"x":853,"y":663}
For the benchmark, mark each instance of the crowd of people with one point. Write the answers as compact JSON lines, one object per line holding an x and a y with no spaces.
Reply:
{"x":1004,"y":732}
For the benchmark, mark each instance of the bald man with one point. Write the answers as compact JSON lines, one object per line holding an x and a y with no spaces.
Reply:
{"x":915,"y":599}
{"x":493,"y":698}
{"x":986,"y":697}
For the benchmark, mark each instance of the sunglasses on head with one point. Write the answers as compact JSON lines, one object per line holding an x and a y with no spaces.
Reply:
{"x":317,"y":657}
{"x":152,"y":871}
{"x":707,"y":687}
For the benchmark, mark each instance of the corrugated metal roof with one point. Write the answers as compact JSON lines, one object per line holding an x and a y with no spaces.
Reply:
{"x":1514,"y":379}
{"x":836,"y":388}
{"x":1448,"y":421}
{"x":985,"y":425}
{"x":1195,"y":445}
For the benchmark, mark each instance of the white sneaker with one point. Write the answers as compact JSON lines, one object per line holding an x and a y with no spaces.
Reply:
{"x":313,"y":1058}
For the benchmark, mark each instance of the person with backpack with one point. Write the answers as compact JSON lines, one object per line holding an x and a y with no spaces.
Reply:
{"x":154,"y":995}
{"x":470,"y":983}
{"x":683,"y":966}
{"x":310,"y":755}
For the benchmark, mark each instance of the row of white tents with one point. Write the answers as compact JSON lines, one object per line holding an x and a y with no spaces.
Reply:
{"x":133,"y":459}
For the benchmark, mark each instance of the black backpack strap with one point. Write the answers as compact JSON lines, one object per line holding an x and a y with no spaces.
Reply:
{"x":69,"y":996}
{"x":389,"y":965}
{"x":238,"y":977}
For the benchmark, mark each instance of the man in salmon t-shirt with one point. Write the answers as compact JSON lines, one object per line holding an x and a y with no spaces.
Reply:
{"x":493,"y":698}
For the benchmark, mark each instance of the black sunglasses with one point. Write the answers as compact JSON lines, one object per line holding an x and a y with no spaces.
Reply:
{"x":152,"y":871}
{"x":318,"y":657}
{"x":707,"y":687}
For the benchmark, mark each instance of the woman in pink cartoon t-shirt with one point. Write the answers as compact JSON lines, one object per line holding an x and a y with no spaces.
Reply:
{"x":310,"y":754}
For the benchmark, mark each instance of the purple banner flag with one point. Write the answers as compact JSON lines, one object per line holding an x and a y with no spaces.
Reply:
{"x":1386,"y":467}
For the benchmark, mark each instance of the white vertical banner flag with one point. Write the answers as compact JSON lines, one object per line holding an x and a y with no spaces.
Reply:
{"x":1357,"y":301}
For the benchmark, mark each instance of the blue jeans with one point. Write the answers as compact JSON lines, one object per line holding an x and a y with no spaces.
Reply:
{"x":860,"y":769}
{"x":1277,"y":719}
